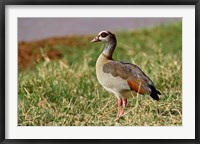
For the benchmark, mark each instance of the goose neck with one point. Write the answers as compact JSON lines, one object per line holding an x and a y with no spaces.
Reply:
{"x":109,"y":48}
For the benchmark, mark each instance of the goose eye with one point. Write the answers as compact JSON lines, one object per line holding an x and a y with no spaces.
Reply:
{"x":104,"y":34}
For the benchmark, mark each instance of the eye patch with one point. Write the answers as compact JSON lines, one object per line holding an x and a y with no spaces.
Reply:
{"x":104,"y":34}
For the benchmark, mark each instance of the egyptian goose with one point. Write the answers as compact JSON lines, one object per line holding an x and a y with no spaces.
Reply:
{"x":121,"y":78}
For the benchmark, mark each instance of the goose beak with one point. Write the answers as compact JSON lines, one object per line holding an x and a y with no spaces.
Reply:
{"x":96,"y":39}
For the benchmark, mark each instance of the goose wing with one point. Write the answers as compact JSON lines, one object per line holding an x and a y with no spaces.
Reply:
{"x":137,"y":80}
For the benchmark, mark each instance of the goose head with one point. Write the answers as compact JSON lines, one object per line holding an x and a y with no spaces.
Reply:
{"x":104,"y":36}
{"x":110,"y":40}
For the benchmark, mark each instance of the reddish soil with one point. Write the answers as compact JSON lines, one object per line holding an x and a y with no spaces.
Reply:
{"x":30,"y":52}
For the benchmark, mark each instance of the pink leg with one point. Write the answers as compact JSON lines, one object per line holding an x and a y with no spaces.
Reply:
{"x":125,"y":102}
{"x":124,"y":105}
{"x":119,"y":107}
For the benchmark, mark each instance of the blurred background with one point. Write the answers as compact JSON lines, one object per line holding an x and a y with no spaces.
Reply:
{"x":39,"y":28}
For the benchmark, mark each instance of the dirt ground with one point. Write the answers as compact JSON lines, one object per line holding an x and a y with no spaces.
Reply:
{"x":31,"y":52}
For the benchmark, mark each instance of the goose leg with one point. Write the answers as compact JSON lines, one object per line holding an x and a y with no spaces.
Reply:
{"x":119,"y":107}
{"x":124,"y":105}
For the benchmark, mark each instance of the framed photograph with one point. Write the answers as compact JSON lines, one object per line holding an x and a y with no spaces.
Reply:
{"x":100,"y":72}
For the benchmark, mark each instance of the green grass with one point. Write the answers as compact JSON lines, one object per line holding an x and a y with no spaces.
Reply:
{"x":65,"y":92}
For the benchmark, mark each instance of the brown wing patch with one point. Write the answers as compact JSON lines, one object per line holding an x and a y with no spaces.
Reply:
{"x":116,"y":69}
{"x":137,"y":86}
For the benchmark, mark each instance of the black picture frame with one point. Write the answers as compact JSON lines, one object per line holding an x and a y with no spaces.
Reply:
{"x":4,"y":3}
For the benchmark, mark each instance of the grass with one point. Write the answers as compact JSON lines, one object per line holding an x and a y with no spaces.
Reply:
{"x":65,"y":91}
